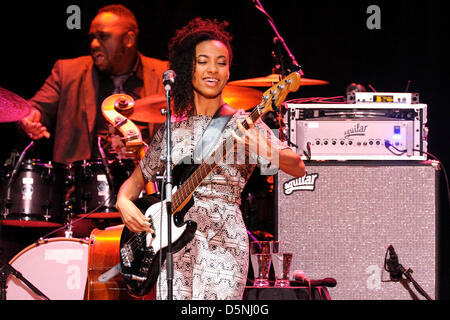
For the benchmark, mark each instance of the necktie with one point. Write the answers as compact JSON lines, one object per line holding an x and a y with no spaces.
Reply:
{"x":119,"y":81}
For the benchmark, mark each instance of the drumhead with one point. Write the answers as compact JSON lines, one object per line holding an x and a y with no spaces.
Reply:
{"x":57,"y":267}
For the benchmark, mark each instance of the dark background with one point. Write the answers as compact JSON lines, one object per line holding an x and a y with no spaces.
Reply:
{"x":329,"y":39}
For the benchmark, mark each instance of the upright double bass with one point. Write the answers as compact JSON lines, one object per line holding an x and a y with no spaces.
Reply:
{"x":104,"y":280}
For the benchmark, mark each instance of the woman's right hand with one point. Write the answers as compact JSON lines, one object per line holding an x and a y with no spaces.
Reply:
{"x":132,"y":217}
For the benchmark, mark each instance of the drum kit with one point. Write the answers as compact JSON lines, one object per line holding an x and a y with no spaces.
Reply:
{"x":33,"y":194}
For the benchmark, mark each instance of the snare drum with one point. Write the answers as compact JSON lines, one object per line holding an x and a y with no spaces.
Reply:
{"x":57,"y":267}
{"x":95,"y":191}
{"x":36,"y":195}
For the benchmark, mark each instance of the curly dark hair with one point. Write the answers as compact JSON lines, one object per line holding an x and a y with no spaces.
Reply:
{"x":182,"y":58}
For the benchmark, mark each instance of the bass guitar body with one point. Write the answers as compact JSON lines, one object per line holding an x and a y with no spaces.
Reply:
{"x":141,"y":255}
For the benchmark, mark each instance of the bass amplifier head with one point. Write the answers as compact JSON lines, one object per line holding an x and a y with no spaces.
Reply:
{"x":364,"y":131}
{"x":340,"y":218}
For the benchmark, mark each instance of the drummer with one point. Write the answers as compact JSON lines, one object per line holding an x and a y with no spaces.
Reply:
{"x":68,"y":105}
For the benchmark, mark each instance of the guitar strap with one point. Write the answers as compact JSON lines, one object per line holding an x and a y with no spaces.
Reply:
{"x":212,"y":132}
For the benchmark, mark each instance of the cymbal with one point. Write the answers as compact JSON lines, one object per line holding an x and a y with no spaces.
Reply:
{"x":148,"y":109}
{"x":241,"y":97}
{"x":12,"y":107}
{"x":272,"y":79}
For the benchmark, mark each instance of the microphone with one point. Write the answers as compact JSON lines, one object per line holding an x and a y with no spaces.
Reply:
{"x":16,"y":167}
{"x":13,"y":177}
{"x":395,"y":269}
{"x":168,"y":79}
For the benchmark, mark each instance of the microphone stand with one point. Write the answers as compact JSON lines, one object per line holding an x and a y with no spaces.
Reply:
{"x":407,"y":274}
{"x":7,"y":270}
{"x":12,"y":177}
{"x":168,"y":191}
{"x":396,"y":270}
{"x":277,"y":34}
{"x":279,"y":58}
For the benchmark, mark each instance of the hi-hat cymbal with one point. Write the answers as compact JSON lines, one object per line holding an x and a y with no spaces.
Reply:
{"x":12,"y":107}
{"x":272,"y":79}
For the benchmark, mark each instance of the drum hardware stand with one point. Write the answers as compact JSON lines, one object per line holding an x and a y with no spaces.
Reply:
{"x":69,"y":233}
{"x":85,"y":197}
{"x":68,"y":211}
{"x":109,"y":176}
{"x":7,"y":270}
{"x":46,"y":206}
{"x":8,"y":204}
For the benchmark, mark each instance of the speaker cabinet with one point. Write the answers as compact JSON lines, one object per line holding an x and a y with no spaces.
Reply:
{"x":341,"y":217}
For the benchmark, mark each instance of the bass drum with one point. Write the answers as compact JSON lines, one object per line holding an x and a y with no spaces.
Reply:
{"x":56,"y":266}
{"x":37,"y":195}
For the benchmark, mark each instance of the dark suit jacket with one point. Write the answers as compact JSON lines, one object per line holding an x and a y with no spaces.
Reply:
{"x":68,"y":103}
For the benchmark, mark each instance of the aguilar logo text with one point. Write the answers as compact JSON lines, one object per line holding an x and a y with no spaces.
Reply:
{"x":357,"y":130}
{"x":307,"y":182}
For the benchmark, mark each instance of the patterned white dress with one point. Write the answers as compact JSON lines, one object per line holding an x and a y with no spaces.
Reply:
{"x":214,"y":265}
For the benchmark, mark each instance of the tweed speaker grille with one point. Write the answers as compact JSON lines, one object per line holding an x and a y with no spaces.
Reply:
{"x":340,"y":219}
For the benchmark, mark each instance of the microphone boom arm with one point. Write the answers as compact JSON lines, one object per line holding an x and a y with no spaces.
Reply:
{"x":277,"y":34}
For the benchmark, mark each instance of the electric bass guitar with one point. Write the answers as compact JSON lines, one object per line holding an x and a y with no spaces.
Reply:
{"x":141,"y":254}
